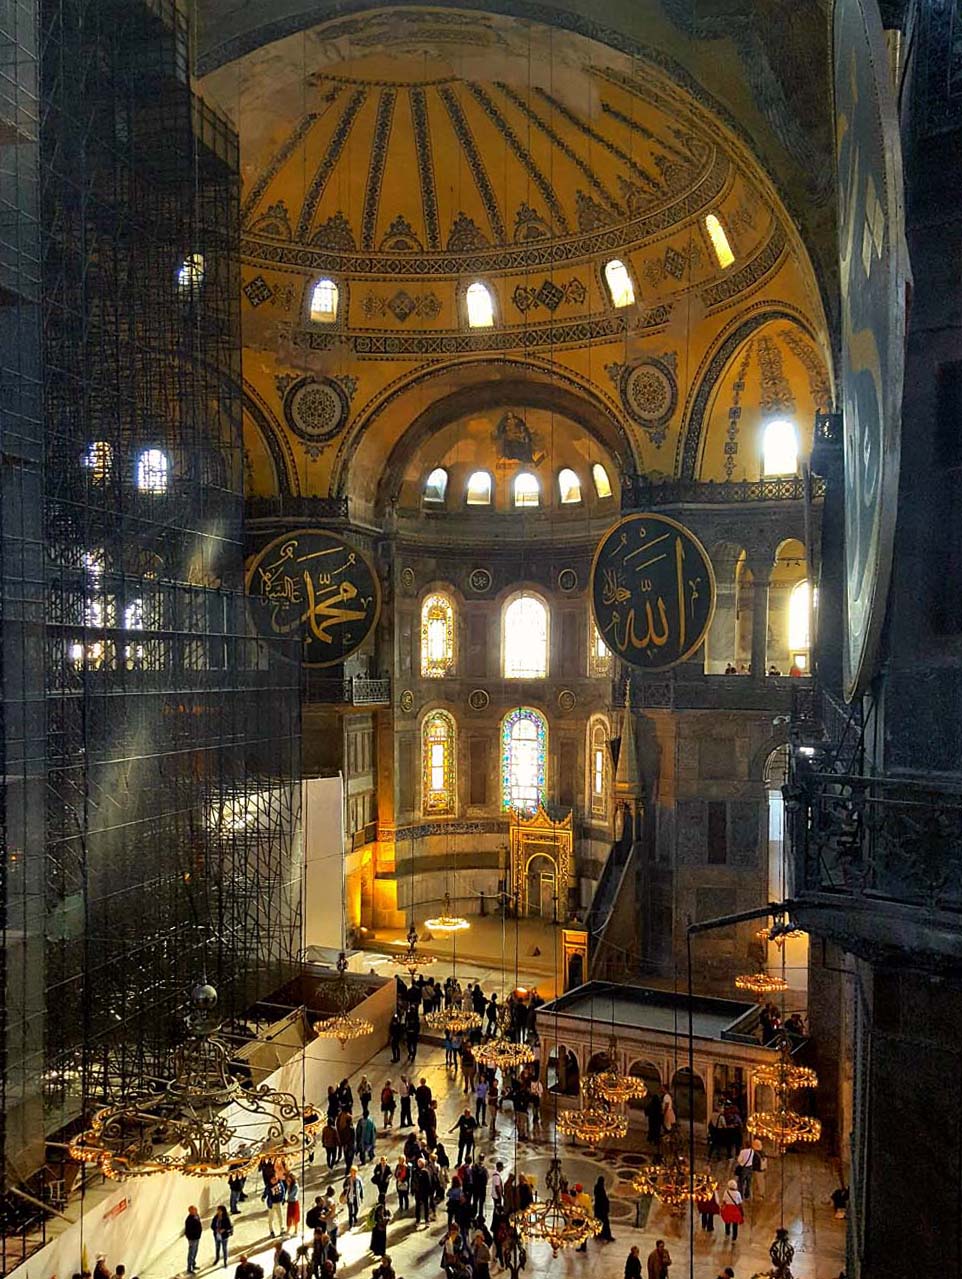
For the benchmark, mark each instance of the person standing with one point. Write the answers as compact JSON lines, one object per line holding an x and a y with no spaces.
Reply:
{"x":421,"y":1185}
{"x":423,"y":1096}
{"x":222,"y":1229}
{"x":493,"y":1100}
{"x":388,"y":1104}
{"x":481,"y":1255}
{"x":536,"y":1092}
{"x":402,"y":1184}
{"x":603,"y":1210}
{"x":193,"y":1229}
{"x":759,"y":1164}
{"x":653,"y":1115}
{"x":365,"y":1092}
{"x":583,"y":1204}
{"x":292,"y":1194}
{"x":235,"y":1184}
{"x":481,"y":1101}
{"x":659,"y":1259}
{"x":744,"y":1162}
{"x":274,"y":1198}
{"x":352,"y":1195}
{"x":395,"y":1034}
{"x":633,"y":1264}
{"x":466,"y":1126}
{"x":365,"y":1137}
{"x":330,"y":1143}
{"x":412,"y":1032}
{"x":382,"y":1215}
{"x":479,"y":1188}
{"x":667,"y":1113}
{"x":732,"y":1211}
{"x":708,"y":1209}
{"x":404,"y":1092}
{"x":381,"y":1178}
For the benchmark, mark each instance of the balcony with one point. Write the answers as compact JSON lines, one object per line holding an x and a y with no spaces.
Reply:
{"x":326,"y":690}
{"x":639,"y":493}
{"x":692,"y":691}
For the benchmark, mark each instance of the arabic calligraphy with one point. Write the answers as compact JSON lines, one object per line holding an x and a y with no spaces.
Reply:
{"x":652,"y":591}
{"x":314,"y":584}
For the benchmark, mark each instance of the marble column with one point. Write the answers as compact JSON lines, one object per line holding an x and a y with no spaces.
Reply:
{"x":761,"y":576}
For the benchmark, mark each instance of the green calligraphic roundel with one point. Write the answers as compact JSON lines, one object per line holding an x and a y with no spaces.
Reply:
{"x":313,"y":584}
{"x":652,"y":591}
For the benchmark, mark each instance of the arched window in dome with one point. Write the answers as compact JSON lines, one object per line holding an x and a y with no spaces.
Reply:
{"x":436,"y":485}
{"x":601,"y":481}
{"x":437,"y":637}
{"x":799,"y":604}
{"x":438,"y":741}
{"x":324,"y":300}
{"x":524,"y":753}
{"x":569,"y":486}
{"x":479,"y":302}
{"x":153,"y":471}
{"x":620,"y":288}
{"x":719,"y":241}
{"x":524,"y":638}
{"x":527,"y":491}
{"x":780,"y":448}
{"x":478,"y":492}
{"x":599,"y":654}
{"x":598,"y":767}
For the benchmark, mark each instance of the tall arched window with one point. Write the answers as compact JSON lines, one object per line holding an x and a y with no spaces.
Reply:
{"x":602,"y":482}
{"x":324,"y":297}
{"x":437,"y":637}
{"x":780,"y":448}
{"x":569,"y":486}
{"x":620,"y":288}
{"x":524,"y":752}
{"x":436,"y":485}
{"x":480,"y":306}
{"x":527,"y":491}
{"x":598,"y":767}
{"x":524,"y":638}
{"x":799,"y":640}
{"x":719,"y":241}
{"x":599,"y":654}
{"x":437,"y":763}
{"x":153,"y":469}
{"x":478,"y":492}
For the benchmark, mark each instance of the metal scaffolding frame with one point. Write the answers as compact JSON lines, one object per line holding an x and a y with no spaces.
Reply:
{"x":150,"y":740}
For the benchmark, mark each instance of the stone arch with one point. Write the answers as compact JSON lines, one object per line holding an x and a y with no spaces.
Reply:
{"x":274,"y":439}
{"x":649,"y":1073}
{"x":682,"y":1095}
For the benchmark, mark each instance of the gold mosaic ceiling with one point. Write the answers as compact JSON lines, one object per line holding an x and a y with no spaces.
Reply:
{"x":466,"y":139}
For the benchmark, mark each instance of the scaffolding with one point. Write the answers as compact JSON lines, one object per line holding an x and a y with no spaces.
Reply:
{"x":151,"y":740}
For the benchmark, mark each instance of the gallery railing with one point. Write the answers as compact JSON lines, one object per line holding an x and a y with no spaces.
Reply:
{"x":638,"y":492}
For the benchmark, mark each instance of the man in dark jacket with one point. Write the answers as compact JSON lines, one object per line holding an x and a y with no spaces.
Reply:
{"x":633,"y":1264}
{"x":466,"y":1126}
{"x":421,"y":1185}
{"x":193,"y":1230}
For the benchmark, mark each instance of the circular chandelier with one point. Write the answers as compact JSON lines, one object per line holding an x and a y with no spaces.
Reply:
{"x":765,"y":934}
{"x":342,"y":1026}
{"x":672,"y":1181}
{"x":594,"y":1122}
{"x":411,"y":958}
{"x":761,"y":983}
{"x":446,"y":922}
{"x":784,"y":1127}
{"x":611,"y":1085}
{"x":560,"y":1224}
{"x":457,"y":1021}
{"x":503,"y":1054}
{"x":203,"y":1122}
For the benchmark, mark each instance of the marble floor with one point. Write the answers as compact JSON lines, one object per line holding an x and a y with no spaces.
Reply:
{"x":796,"y":1191}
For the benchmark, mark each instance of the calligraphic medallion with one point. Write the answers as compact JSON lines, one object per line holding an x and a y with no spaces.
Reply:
{"x":652,"y":591}
{"x":872,"y":272}
{"x":312,"y":583}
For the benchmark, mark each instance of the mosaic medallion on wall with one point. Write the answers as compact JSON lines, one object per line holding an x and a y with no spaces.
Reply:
{"x":315,"y":409}
{"x":649,"y":392}
{"x":479,"y":580}
{"x":567,"y":580}
{"x":566,"y":700}
{"x":311,"y":584}
{"x":478,"y":699}
{"x":406,"y":701}
{"x":408,"y":579}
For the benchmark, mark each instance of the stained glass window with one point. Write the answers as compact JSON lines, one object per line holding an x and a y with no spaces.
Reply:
{"x":524,"y":638}
{"x":98,"y":459}
{"x":437,"y":763}
{"x":599,"y":654}
{"x":437,"y":637}
{"x":598,"y":767}
{"x":524,"y":751}
{"x":153,"y":468}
